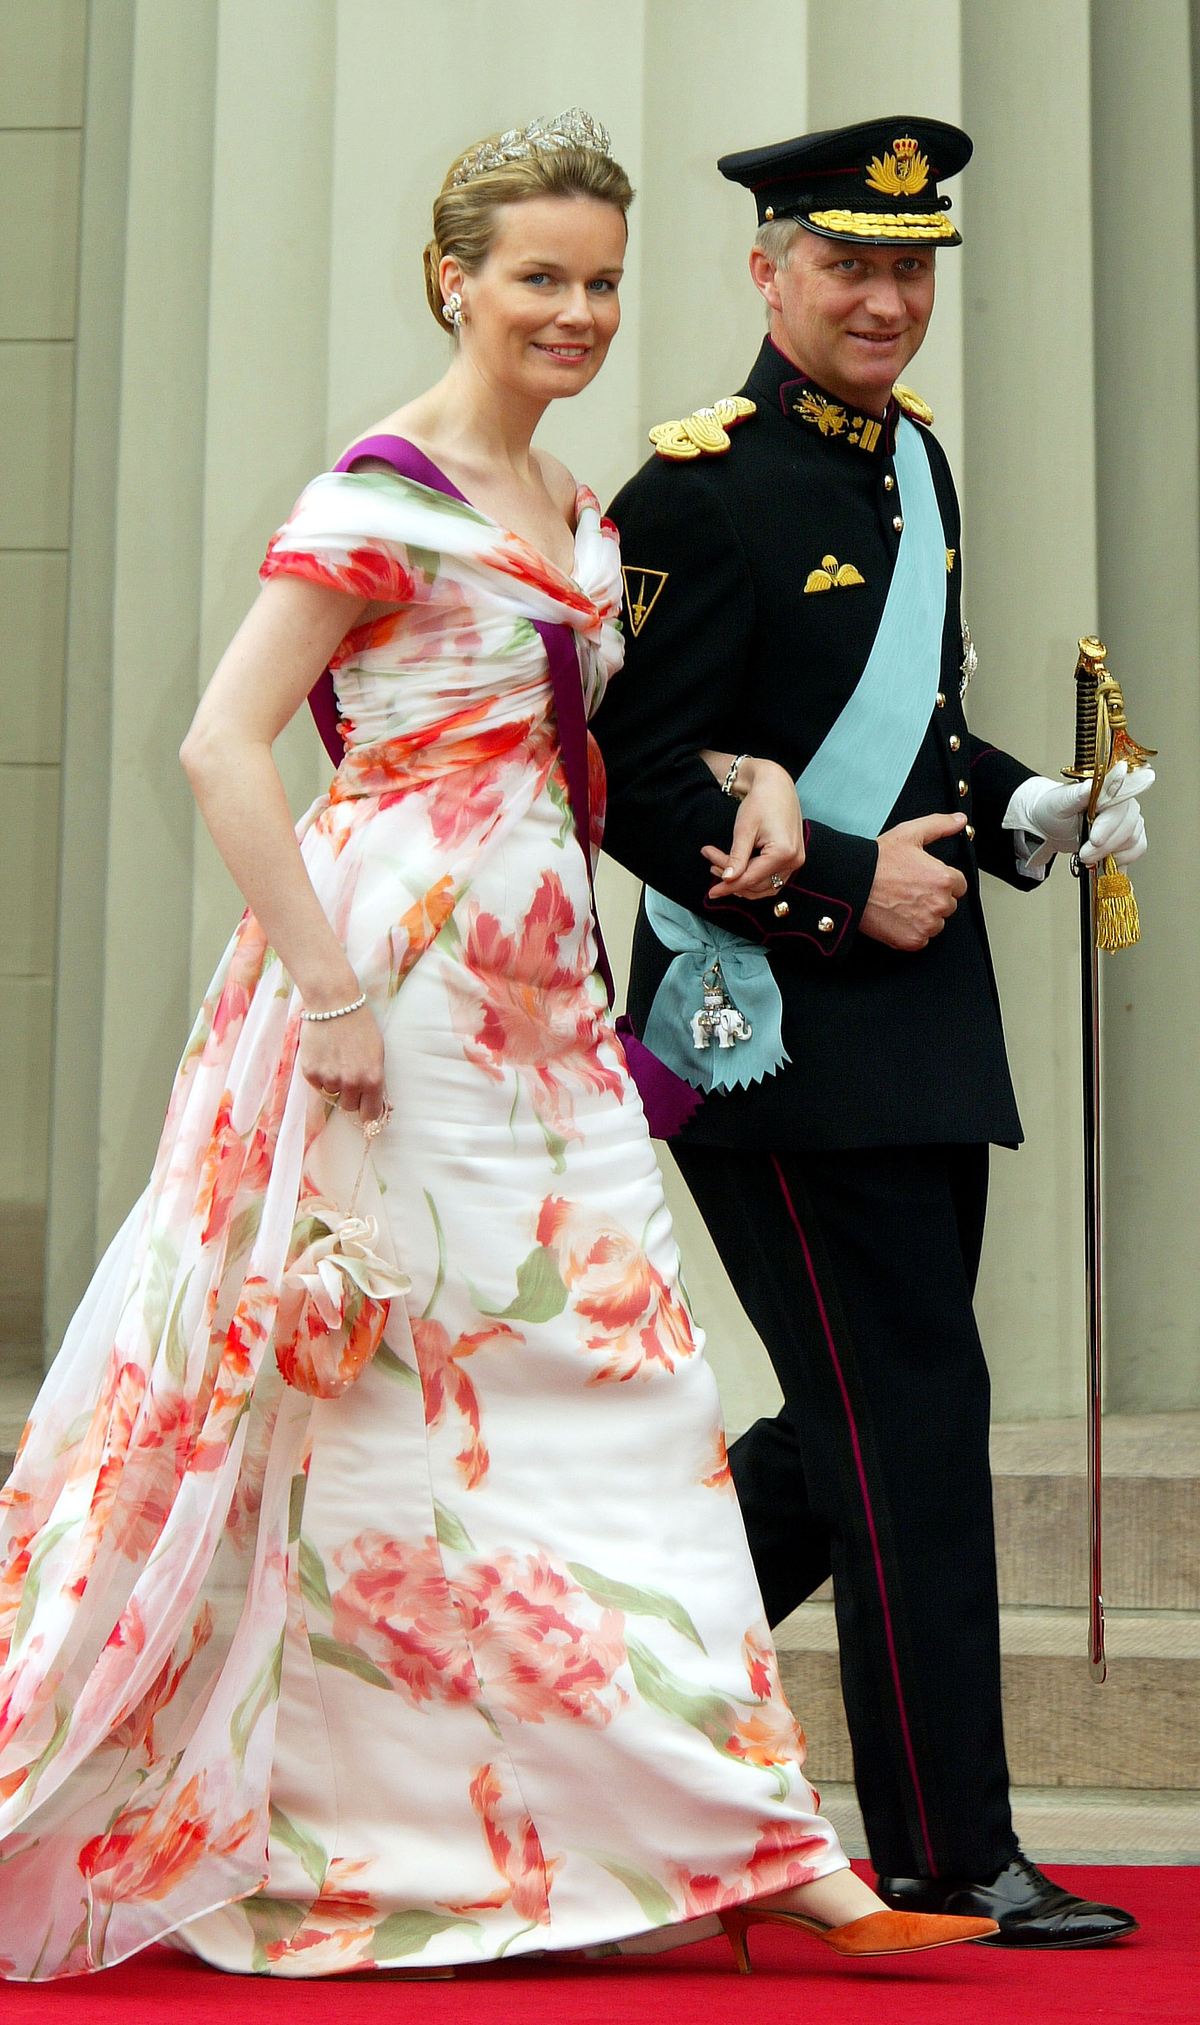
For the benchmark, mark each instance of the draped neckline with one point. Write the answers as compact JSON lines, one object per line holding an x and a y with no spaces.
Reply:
{"x":437,"y":481}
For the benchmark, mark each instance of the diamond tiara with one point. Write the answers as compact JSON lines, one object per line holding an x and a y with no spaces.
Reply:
{"x":574,"y":129}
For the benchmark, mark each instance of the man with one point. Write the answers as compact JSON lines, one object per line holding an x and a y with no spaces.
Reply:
{"x":793,"y":586}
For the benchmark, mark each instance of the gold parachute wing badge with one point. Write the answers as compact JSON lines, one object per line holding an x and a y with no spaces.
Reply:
{"x":832,"y":576}
{"x":702,"y":434}
{"x":913,"y":405}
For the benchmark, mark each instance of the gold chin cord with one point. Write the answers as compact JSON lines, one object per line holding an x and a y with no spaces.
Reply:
{"x":1108,"y":920}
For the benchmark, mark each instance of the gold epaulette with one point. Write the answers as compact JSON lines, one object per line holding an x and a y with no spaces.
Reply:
{"x":701,"y":434}
{"x":913,"y":405}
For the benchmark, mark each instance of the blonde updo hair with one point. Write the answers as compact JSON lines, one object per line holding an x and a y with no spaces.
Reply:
{"x":464,"y":213}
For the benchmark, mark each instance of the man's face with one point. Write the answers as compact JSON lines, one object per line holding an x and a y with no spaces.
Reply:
{"x":850,"y":316}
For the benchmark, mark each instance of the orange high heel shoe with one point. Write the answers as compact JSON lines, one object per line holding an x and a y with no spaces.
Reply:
{"x":879,"y":1933}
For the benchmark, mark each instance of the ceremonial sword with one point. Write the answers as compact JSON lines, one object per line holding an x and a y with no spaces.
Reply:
{"x":1108,"y":920}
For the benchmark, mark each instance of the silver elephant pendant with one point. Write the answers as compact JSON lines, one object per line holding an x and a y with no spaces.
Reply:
{"x":718,"y":1018}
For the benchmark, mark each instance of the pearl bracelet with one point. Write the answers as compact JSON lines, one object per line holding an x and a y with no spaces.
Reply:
{"x":728,"y":783}
{"x":338,"y":1011}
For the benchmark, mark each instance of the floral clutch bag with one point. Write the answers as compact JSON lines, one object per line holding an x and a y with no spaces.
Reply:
{"x":333,"y":1305}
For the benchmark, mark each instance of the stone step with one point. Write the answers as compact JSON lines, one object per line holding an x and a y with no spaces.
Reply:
{"x":1140,"y":1730}
{"x":22,"y":1255}
{"x":1151,"y":1512}
{"x":1055,"y":1825}
{"x":20,"y":1377}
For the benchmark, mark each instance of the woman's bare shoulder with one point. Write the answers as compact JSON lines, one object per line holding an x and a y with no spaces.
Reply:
{"x":559,"y":483}
{"x":398,"y":423}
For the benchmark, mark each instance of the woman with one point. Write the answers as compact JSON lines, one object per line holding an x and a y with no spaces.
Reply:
{"x":469,"y":1659}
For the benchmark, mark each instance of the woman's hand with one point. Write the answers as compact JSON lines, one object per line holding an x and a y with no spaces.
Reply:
{"x":343,"y":1059}
{"x":768,"y":835}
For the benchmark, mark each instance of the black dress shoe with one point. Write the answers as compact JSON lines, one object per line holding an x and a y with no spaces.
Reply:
{"x":1031,"y":1911}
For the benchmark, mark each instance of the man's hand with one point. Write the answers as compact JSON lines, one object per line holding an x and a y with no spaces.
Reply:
{"x":913,"y":895}
{"x":1052,"y":810}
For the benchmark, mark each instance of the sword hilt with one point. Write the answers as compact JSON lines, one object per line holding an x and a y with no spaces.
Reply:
{"x":1101,"y":740}
{"x":1089,"y":670}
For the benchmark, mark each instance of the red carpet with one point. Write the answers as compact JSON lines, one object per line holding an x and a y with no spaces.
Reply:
{"x":1155,"y":1976}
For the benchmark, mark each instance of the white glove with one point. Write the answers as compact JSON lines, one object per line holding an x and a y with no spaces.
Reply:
{"x":1047,"y":816}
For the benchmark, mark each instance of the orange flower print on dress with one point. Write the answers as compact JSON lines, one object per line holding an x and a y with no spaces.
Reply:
{"x":339,"y":1923}
{"x":445,"y":1382}
{"x":520,"y":1619}
{"x":416,"y":929}
{"x":366,"y":572}
{"x":222,"y":1173}
{"x":782,"y":1858}
{"x":532,"y":1019}
{"x":628,"y":1309}
{"x":395,"y":1606}
{"x":245,"y":969}
{"x":720,"y":1477}
{"x":465,"y":802}
{"x":516,"y":1852}
{"x":241,"y":1356}
{"x":136,"y":1732}
{"x":537,"y":1656}
{"x":149,"y":1850}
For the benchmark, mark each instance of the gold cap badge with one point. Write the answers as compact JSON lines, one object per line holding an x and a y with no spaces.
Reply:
{"x":902,"y":172}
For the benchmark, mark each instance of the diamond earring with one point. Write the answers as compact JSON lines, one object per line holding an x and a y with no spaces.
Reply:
{"x":452,"y":310}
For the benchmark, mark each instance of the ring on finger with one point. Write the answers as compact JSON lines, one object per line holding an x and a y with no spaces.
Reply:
{"x":776,"y":881}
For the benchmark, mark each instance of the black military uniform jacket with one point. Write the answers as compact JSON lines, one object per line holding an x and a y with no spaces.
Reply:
{"x":755,"y":583}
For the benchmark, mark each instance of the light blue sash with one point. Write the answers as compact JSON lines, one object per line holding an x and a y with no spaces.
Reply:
{"x":851,"y":783}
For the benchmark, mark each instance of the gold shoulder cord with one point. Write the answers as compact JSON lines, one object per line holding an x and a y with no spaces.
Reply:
{"x":913,"y":405}
{"x":702,"y":434}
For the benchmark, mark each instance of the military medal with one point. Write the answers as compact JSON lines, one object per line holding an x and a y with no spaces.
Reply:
{"x":718,"y":1018}
{"x":970,"y":662}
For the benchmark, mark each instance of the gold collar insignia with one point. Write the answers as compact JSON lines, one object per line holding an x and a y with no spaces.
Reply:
{"x":861,"y":431}
{"x":641,"y":593}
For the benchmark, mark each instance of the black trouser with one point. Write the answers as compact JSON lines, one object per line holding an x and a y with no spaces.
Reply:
{"x":857,"y":1269}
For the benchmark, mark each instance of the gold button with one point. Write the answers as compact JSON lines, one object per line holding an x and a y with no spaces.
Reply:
{"x":969,"y":833}
{"x":889,"y":483}
{"x":782,"y":909}
{"x":898,"y":522}
{"x":770,"y":211}
{"x":941,"y":701}
{"x":955,"y":741}
{"x":962,"y":787}
{"x":825,"y":924}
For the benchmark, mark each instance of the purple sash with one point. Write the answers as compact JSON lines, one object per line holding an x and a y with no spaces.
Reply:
{"x":667,"y":1099}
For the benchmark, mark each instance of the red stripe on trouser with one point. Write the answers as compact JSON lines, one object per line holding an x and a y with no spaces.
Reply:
{"x":866,"y":1498}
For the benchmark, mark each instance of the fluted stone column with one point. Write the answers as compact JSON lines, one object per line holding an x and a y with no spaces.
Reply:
{"x":1149,"y":566}
{"x":1029,"y":550}
{"x":266,"y":363}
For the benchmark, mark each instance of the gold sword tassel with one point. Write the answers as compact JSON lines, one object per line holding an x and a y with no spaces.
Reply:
{"x":1102,"y":740}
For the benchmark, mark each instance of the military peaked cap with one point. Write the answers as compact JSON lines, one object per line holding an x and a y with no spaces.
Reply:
{"x":876,"y":182}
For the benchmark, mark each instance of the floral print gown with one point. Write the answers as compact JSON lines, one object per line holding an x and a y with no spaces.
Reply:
{"x":471,"y":1659}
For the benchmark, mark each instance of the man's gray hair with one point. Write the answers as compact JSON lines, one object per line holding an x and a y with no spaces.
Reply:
{"x":776,"y":239}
